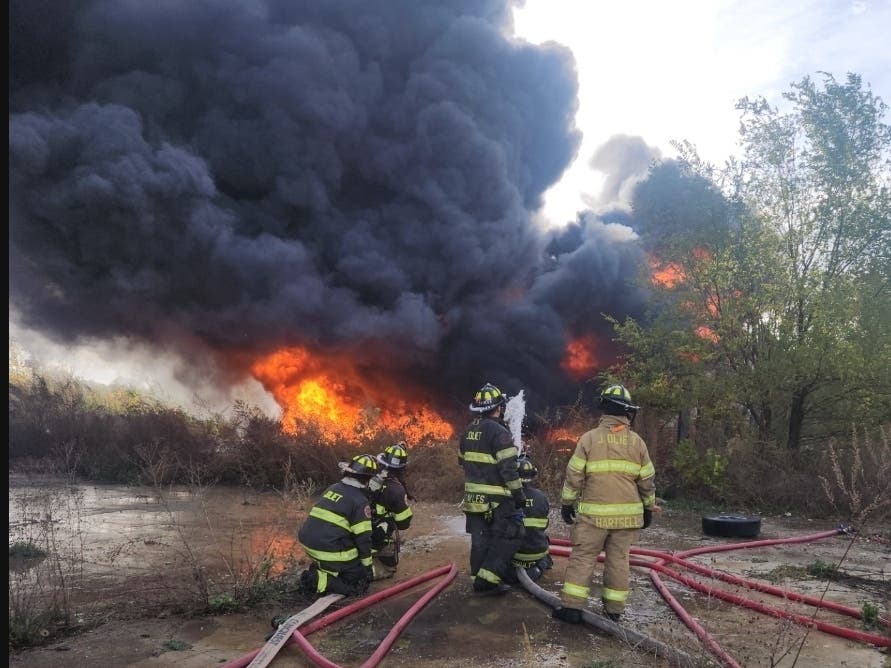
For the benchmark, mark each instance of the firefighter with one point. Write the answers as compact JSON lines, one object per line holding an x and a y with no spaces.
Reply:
{"x":533,"y":554}
{"x":337,"y":532}
{"x":609,"y":493}
{"x":391,"y":512}
{"x":493,"y":494}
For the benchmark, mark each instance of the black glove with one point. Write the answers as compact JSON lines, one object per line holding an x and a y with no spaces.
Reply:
{"x":519,"y":500}
{"x":648,"y":517}
{"x":379,"y":536}
{"x":369,"y":573}
{"x":567,"y":511}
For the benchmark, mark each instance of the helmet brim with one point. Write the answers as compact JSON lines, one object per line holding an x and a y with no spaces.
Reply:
{"x":387,"y":465}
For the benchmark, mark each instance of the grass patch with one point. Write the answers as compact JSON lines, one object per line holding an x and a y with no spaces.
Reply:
{"x":787,"y":572}
{"x":820,"y":570}
{"x":870,"y":613}
{"x":823,"y":571}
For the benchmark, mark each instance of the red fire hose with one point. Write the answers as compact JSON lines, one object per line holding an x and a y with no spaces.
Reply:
{"x":449,"y":572}
{"x":751,"y":584}
{"x":563,"y":547}
{"x":713,"y":646}
{"x":804,"y":620}
{"x":727,"y":547}
{"x":382,"y":649}
{"x":678,"y":559}
{"x":743,"y":582}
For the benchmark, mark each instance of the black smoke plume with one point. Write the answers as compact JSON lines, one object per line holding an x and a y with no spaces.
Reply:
{"x":220,"y":179}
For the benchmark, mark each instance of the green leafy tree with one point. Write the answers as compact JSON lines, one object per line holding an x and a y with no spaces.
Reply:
{"x":771,"y":275}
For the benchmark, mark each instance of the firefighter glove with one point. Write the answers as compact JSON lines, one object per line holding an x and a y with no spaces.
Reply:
{"x":369,"y":573}
{"x":648,"y":517}
{"x":567,"y":511}
{"x":379,"y":536}
{"x":517,"y":517}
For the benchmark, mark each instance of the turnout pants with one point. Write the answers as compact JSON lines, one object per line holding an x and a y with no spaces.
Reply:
{"x":351,"y":580}
{"x":387,"y":557}
{"x":493,"y":542}
{"x":587,"y":543}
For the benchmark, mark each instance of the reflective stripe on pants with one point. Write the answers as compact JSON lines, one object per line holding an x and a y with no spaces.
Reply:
{"x":493,"y":543}
{"x":587,"y":543}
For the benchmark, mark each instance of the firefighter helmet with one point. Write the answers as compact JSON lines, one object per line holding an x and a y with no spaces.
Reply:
{"x":363,"y":466}
{"x":526,"y":468}
{"x":394,"y":457}
{"x":487,"y":398}
{"x":616,"y":400}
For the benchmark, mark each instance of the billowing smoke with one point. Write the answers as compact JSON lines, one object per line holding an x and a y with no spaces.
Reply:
{"x":218,"y":179}
{"x":626,"y":161}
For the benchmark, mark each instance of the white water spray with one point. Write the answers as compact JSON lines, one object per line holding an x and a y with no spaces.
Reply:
{"x":514,"y":414}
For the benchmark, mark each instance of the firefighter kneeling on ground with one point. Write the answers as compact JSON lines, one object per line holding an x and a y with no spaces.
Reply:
{"x":390,"y":511}
{"x":610,"y":484}
{"x":337,"y":532}
{"x":533,"y":554}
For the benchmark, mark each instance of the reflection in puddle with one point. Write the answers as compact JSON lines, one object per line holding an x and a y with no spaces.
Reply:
{"x":112,"y":532}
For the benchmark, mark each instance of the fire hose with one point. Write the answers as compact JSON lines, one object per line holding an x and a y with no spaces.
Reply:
{"x":447,"y":572}
{"x":629,"y":636}
{"x":562,"y":547}
{"x":679,"y":559}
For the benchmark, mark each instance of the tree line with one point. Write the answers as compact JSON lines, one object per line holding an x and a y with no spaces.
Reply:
{"x":776,"y":321}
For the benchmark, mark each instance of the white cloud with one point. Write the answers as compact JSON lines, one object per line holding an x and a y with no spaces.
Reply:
{"x":674,"y":70}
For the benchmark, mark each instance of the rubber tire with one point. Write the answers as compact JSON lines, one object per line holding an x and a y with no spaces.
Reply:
{"x":731,"y":526}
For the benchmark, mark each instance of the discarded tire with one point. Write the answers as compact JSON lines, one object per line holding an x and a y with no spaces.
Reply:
{"x":731,"y":526}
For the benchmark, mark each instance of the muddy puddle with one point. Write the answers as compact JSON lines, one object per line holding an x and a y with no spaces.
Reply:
{"x":133,"y":555}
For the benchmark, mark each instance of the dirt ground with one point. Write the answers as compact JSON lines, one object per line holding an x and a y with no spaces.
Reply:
{"x":129,"y":541}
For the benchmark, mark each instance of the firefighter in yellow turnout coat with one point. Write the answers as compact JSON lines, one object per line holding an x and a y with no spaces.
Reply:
{"x":608,"y":494}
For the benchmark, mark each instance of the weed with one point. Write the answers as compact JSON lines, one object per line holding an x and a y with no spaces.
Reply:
{"x":176,"y":645}
{"x":46,"y":558}
{"x":786,"y":572}
{"x":860,"y":486}
{"x":823,"y":571}
{"x":222,"y":603}
{"x":870,"y":614}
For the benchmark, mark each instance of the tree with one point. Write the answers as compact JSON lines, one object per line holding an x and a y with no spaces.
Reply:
{"x":783,"y":298}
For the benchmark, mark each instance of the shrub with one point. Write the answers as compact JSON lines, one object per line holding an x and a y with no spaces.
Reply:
{"x":870,"y":613}
{"x":859,"y":483}
{"x":704,"y":470}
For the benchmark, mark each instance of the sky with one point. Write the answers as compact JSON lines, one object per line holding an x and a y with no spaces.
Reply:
{"x":196,"y":185}
{"x":669,"y":71}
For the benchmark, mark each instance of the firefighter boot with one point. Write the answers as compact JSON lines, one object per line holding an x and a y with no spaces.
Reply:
{"x":569,"y":615}
{"x":613,"y":616}
{"x":484,"y":588}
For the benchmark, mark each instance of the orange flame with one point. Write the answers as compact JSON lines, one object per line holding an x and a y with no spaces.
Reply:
{"x":580,"y":360}
{"x":564,"y":434}
{"x":328,"y":392}
{"x":666,"y":275}
{"x":707,"y":333}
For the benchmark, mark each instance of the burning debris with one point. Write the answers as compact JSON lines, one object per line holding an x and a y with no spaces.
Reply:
{"x":336,"y":199}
